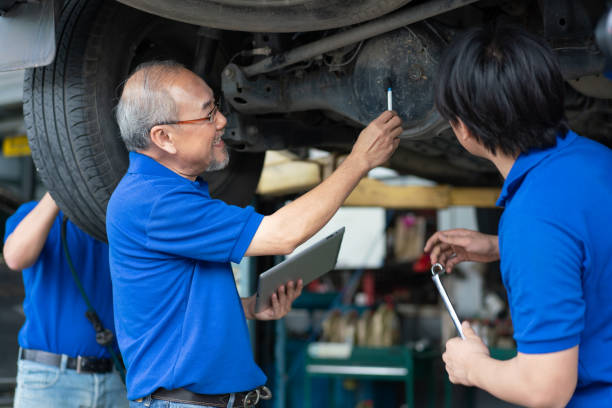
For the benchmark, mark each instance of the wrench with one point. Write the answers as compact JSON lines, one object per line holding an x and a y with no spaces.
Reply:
{"x":436,"y":270}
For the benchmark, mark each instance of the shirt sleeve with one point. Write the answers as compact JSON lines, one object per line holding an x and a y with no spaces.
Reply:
{"x":190,"y":224}
{"x":542,"y":265}
{"x":13,"y":221}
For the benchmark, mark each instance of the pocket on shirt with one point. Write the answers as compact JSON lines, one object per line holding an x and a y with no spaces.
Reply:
{"x":35,"y":375}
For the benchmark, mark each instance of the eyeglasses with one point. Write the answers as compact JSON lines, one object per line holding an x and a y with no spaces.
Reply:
{"x":210,"y":118}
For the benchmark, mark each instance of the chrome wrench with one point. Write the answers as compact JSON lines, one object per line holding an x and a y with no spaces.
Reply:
{"x":436,"y":270}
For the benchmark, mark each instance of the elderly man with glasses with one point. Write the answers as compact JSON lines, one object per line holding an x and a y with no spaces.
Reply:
{"x":180,"y":323}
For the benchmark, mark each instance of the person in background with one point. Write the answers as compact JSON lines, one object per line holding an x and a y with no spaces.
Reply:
{"x":60,"y":364}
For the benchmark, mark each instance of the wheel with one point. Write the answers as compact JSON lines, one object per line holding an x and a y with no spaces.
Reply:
{"x":68,"y":106}
{"x":269,"y":15}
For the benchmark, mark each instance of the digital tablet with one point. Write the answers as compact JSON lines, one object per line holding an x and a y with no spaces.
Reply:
{"x":307,"y":265}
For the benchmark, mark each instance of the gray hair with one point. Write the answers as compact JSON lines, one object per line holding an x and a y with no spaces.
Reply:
{"x":146,"y":102}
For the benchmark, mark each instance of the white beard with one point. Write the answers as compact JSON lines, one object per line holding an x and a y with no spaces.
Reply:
{"x":219,"y":165}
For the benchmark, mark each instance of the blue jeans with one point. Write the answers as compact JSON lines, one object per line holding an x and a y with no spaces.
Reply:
{"x":40,"y":385}
{"x":148,"y":402}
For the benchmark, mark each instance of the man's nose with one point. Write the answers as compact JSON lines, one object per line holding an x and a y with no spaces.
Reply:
{"x":220,"y":120}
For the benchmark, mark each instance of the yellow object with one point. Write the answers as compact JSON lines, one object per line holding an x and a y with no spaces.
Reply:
{"x":16,"y":146}
{"x":284,"y":173}
{"x":374,"y":193}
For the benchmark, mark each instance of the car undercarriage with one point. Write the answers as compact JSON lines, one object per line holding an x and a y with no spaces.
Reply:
{"x":289,"y":75}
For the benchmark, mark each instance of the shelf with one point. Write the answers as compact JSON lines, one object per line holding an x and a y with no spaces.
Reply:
{"x":311,"y":300}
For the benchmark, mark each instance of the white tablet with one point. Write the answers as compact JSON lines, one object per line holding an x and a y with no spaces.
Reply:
{"x":314,"y":261}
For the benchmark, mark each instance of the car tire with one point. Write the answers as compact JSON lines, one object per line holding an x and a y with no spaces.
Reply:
{"x":267,"y":16}
{"x":69,"y":108}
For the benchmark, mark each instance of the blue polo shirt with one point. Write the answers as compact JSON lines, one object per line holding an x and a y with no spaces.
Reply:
{"x":179,"y":318}
{"x":556,"y":258}
{"x":53,"y":306}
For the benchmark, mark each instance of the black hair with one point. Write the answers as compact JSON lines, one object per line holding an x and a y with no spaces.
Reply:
{"x":506,"y":86}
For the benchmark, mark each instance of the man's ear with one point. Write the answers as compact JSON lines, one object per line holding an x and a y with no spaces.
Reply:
{"x":162,"y":138}
{"x":462,"y":131}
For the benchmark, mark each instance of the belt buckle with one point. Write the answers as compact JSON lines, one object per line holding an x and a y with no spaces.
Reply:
{"x":79,"y":360}
{"x":262,"y":392}
{"x":247,"y":398}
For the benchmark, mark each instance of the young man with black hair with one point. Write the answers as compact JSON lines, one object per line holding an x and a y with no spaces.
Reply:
{"x":503,"y":93}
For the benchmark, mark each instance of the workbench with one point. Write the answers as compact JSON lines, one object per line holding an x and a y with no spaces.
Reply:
{"x":380,"y":364}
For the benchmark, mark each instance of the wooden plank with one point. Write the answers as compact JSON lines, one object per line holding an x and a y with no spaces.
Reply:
{"x":481,"y":197}
{"x":374,"y":193}
{"x":283,"y":174}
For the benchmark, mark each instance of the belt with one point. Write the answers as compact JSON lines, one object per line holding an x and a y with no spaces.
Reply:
{"x":241,"y":399}
{"x":79,"y":363}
